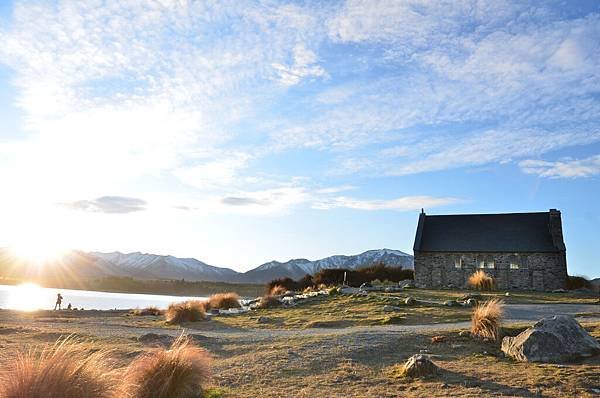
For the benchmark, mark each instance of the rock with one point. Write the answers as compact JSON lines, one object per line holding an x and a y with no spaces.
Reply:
{"x":451,"y":303}
{"x":438,"y":339}
{"x":552,"y":340}
{"x":406,"y":284}
{"x":559,"y":291}
{"x":263,"y":319}
{"x":470,"y":302}
{"x":474,"y":296}
{"x":410,"y":301}
{"x":464,"y":333}
{"x":507,"y":294}
{"x":391,"y":308}
{"x":418,"y":366}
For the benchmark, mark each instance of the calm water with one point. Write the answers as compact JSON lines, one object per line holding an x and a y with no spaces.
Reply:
{"x":32,"y":297}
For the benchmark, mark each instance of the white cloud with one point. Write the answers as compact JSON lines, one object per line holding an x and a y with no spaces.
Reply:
{"x":304,"y":65}
{"x":566,"y":168}
{"x":214,"y":173}
{"x":405,"y":203}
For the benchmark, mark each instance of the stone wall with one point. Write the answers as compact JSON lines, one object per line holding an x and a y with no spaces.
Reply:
{"x":537,"y":271}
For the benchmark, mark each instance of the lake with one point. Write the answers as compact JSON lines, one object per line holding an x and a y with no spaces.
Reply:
{"x":29,"y":297}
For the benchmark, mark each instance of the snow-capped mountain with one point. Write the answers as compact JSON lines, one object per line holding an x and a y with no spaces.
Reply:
{"x":153,"y":266}
{"x":138,"y":265}
{"x":297,"y":268}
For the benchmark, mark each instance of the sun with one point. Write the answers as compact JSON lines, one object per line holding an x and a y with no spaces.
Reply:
{"x":38,"y":252}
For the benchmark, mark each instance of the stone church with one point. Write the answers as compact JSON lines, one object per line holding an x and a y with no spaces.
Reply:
{"x":519,"y":250}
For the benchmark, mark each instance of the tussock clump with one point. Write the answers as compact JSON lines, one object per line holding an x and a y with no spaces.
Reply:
{"x":181,"y":371}
{"x":268,"y":301}
{"x":187,"y":311}
{"x":65,"y":369}
{"x":277,"y":290}
{"x":486,"y":318}
{"x":223,"y":301}
{"x":481,"y":281}
{"x":155,"y":311}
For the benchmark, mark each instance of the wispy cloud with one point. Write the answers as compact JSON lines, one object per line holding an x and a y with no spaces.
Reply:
{"x":565,"y":168}
{"x":108,"y":204}
{"x":400,"y":204}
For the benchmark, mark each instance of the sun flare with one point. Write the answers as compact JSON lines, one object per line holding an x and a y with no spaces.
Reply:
{"x":38,"y":252}
{"x":28,"y":297}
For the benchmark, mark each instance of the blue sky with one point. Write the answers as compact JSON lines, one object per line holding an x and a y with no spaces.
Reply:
{"x":240,"y":132}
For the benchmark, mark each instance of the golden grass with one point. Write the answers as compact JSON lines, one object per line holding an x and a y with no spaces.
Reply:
{"x":155,"y":311}
{"x":481,"y":281}
{"x":486,"y":318}
{"x":277,"y":290}
{"x":223,"y":301}
{"x":268,"y":301}
{"x":181,"y":371}
{"x":186,"y":311}
{"x":65,"y":369}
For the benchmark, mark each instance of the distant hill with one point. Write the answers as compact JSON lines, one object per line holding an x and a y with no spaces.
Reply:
{"x":138,"y":265}
{"x":297,"y":268}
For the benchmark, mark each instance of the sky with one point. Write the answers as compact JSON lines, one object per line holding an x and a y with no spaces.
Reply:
{"x":241,"y":132}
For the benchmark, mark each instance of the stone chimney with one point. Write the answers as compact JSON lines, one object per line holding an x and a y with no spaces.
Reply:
{"x":555,"y":225}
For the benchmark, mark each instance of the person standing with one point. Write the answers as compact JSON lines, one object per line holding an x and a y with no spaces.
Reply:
{"x":59,"y":299}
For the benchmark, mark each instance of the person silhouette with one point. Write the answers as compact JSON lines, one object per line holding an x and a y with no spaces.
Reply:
{"x":58,"y":302}
{"x":69,"y":306}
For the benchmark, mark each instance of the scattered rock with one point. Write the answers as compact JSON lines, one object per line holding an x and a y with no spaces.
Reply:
{"x":438,"y":339}
{"x":552,"y":340}
{"x":263,"y":319}
{"x":410,"y":301}
{"x":406,"y":284}
{"x":464,"y":333}
{"x":391,"y":308}
{"x":559,"y":291}
{"x":507,"y":294}
{"x":470,"y":302}
{"x":418,"y":366}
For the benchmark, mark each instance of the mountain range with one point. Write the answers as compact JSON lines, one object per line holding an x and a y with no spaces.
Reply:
{"x":152,"y":266}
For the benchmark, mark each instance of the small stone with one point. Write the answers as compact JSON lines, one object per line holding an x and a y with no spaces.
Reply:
{"x":471,"y":302}
{"x":263,"y":319}
{"x":410,"y":301}
{"x":418,"y":366}
{"x":444,"y":385}
{"x":390,"y":308}
{"x":452,"y":303}
{"x":507,"y":294}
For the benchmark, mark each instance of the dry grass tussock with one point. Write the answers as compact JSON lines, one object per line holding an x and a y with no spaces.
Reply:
{"x":269,"y":301}
{"x":481,"y":281}
{"x":65,"y":369}
{"x":155,"y":311}
{"x":486,"y":318}
{"x":186,"y":311}
{"x":181,"y":371}
{"x":223,"y":301}
{"x":277,"y":290}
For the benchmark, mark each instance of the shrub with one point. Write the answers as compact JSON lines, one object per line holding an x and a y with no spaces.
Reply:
{"x":187,"y":311}
{"x":268,"y":301}
{"x":65,"y":369}
{"x":379,"y":271}
{"x":333,"y":291}
{"x":147,"y":311}
{"x":223,"y":301}
{"x":486,"y":318}
{"x":481,"y":281}
{"x":277,"y":290}
{"x":182,"y":371}
{"x":578,"y":282}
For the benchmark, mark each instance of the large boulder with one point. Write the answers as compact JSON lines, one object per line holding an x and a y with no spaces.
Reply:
{"x":552,"y":340}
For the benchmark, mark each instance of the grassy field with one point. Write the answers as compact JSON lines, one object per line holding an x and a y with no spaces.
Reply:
{"x":334,"y":346}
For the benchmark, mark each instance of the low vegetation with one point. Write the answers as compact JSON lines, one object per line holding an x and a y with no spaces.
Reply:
{"x":148,"y":311}
{"x":222,"y":301}
{"x":181,"y":371}
{"x":578,"y":282}
{"x":186,"y":311}
{"x":486,"y":318}
{"x":66,"y":369}
{"x":335,"y":276}
{"x":277,"y":290}
{"x":481,"y":281}
{"x":268,"y":301}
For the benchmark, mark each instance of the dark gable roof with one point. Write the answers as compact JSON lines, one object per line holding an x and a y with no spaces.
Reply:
{"x":515,"y":232}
